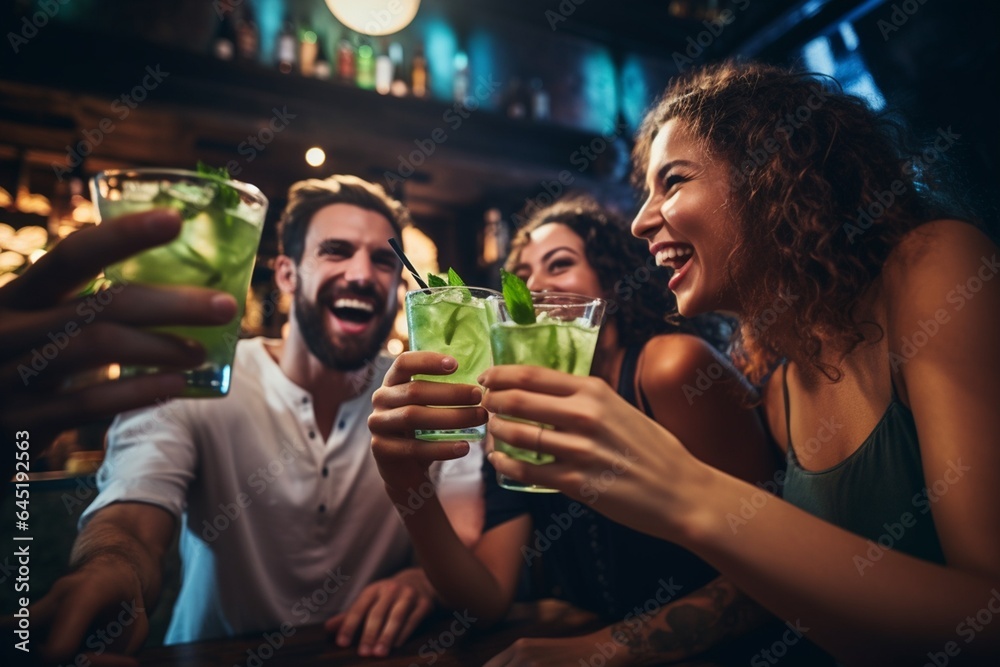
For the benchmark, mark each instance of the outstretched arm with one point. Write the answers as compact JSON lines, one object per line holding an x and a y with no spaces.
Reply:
{"x":116,"y":568}
{"x":478,"y":578}
{"x":462,"y":579}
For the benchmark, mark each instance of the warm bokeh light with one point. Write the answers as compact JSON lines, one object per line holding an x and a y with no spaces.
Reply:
{"x":10,"y":260}
{"x":27,"y":239}
{"x":394,"y":346}
{"x":315,"y":156}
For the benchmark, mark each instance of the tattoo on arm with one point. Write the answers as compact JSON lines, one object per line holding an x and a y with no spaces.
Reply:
{"x":692,"y":624}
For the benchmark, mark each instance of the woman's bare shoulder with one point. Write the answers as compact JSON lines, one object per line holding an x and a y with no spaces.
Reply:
{"x":936,"y":270}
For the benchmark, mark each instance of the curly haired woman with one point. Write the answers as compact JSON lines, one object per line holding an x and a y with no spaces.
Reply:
{"x":793,"y":206}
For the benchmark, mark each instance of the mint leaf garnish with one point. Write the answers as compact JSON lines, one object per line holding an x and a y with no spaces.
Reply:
{"x":434,"y":280}
{"x":517,"y":296}
{"x":207,"y":170}
{"x":226,"y":196}
{"x":453,"y":278}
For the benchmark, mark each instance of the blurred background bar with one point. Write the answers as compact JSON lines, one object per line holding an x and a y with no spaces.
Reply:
{"x":472,"y":113}
{"x":469,"y":112}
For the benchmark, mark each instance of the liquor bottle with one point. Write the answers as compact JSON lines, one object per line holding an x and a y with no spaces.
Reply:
{"x":287,"y":43}
{"x":540,"y":109}
{"x":346,"y":61}
{"x":399,"y":87}
{"x":247,"y":35}
{"x":307,"y":49}
{"x":365,"y":77}
{"x":224,"y":44}
{"x":419,"y":74}
{"x":321,"y":68}
{"x":460,"y":86}
{"x":383,"y":72}
{"x":514,"y":100}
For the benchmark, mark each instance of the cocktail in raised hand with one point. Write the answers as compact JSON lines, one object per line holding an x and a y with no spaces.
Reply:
{"x":549,"y":329}
{"x":216,"y":248}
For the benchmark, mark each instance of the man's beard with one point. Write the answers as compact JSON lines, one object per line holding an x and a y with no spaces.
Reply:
{"x":354,"y":351}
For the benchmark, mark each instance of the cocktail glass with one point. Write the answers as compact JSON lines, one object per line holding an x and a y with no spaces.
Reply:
{"x":216,"y":248}
{"x":563,"y":338}
{"x":452,"y":321}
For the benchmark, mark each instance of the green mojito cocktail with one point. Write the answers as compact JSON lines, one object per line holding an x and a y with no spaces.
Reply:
{"x":216,"y":248}
{"x":563,"y":337}
{"x":452,"y":321}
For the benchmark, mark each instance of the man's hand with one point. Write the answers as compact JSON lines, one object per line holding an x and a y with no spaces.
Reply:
{"x":570,"y":651}
{"x":389,"y":610}
{"x":38,"y":310}
{"x":97,"y":611}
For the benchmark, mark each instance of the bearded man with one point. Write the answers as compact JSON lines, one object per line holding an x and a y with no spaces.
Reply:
{"x":282,"y":514}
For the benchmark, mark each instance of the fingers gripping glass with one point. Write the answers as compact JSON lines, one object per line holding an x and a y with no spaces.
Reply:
{"x":451,"y":320}
{"x":562,"y":337}
{"x":216,"y":248}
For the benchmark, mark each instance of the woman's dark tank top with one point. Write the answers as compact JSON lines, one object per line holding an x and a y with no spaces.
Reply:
{"x":877,"y":492}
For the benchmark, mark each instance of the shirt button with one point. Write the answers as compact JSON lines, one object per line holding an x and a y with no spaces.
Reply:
{"x":312,"y":434}
{"x":326,"y":472}
{"x":322,"y":508}
{"x":342,"y":424}
{"x":305,"y":399}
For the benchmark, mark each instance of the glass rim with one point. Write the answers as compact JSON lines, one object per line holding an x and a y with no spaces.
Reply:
{"x":440,"y":288}
{"x":573,"y":298}
{"x":244,"y":187}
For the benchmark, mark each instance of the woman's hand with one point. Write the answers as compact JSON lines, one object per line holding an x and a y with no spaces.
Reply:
{"x":608,"y":454}
{"x":48,"y":336}
{"x":401,"y":406}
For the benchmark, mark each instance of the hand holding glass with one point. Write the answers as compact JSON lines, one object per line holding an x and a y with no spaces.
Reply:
{"x":452,"y":321}
{"x":216,"y":248}
{"x":563,"y":338}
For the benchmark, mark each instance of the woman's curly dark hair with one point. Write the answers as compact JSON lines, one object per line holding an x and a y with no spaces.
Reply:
{"x":633,"y":285}
{"x":811,"y":173}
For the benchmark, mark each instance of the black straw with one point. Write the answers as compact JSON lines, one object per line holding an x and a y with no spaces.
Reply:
{"x":409,"y":267}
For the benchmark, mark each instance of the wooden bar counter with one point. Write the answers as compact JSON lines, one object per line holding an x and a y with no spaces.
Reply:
{"x":435,"y":644}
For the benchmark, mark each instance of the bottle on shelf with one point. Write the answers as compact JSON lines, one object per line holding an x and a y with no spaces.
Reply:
{"x":365,"y":77}
{"x":540,"y":109}
{"x":247,"y":34}
{"x":418,"y":77}
{"x":224,"y":43}
{"x":460,"y":85}
{"x":287,"y":43}
{"x":399,"y":87}
{"x":321,"y":68}
{"x":346,"y":61}
{"x":383,"y":73}
{"x":307,"y":49}
{"x":514,"y":100}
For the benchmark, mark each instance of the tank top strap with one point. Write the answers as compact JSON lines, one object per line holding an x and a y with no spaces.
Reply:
{"x":788,"y":412}
{"x":627,"y":380}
